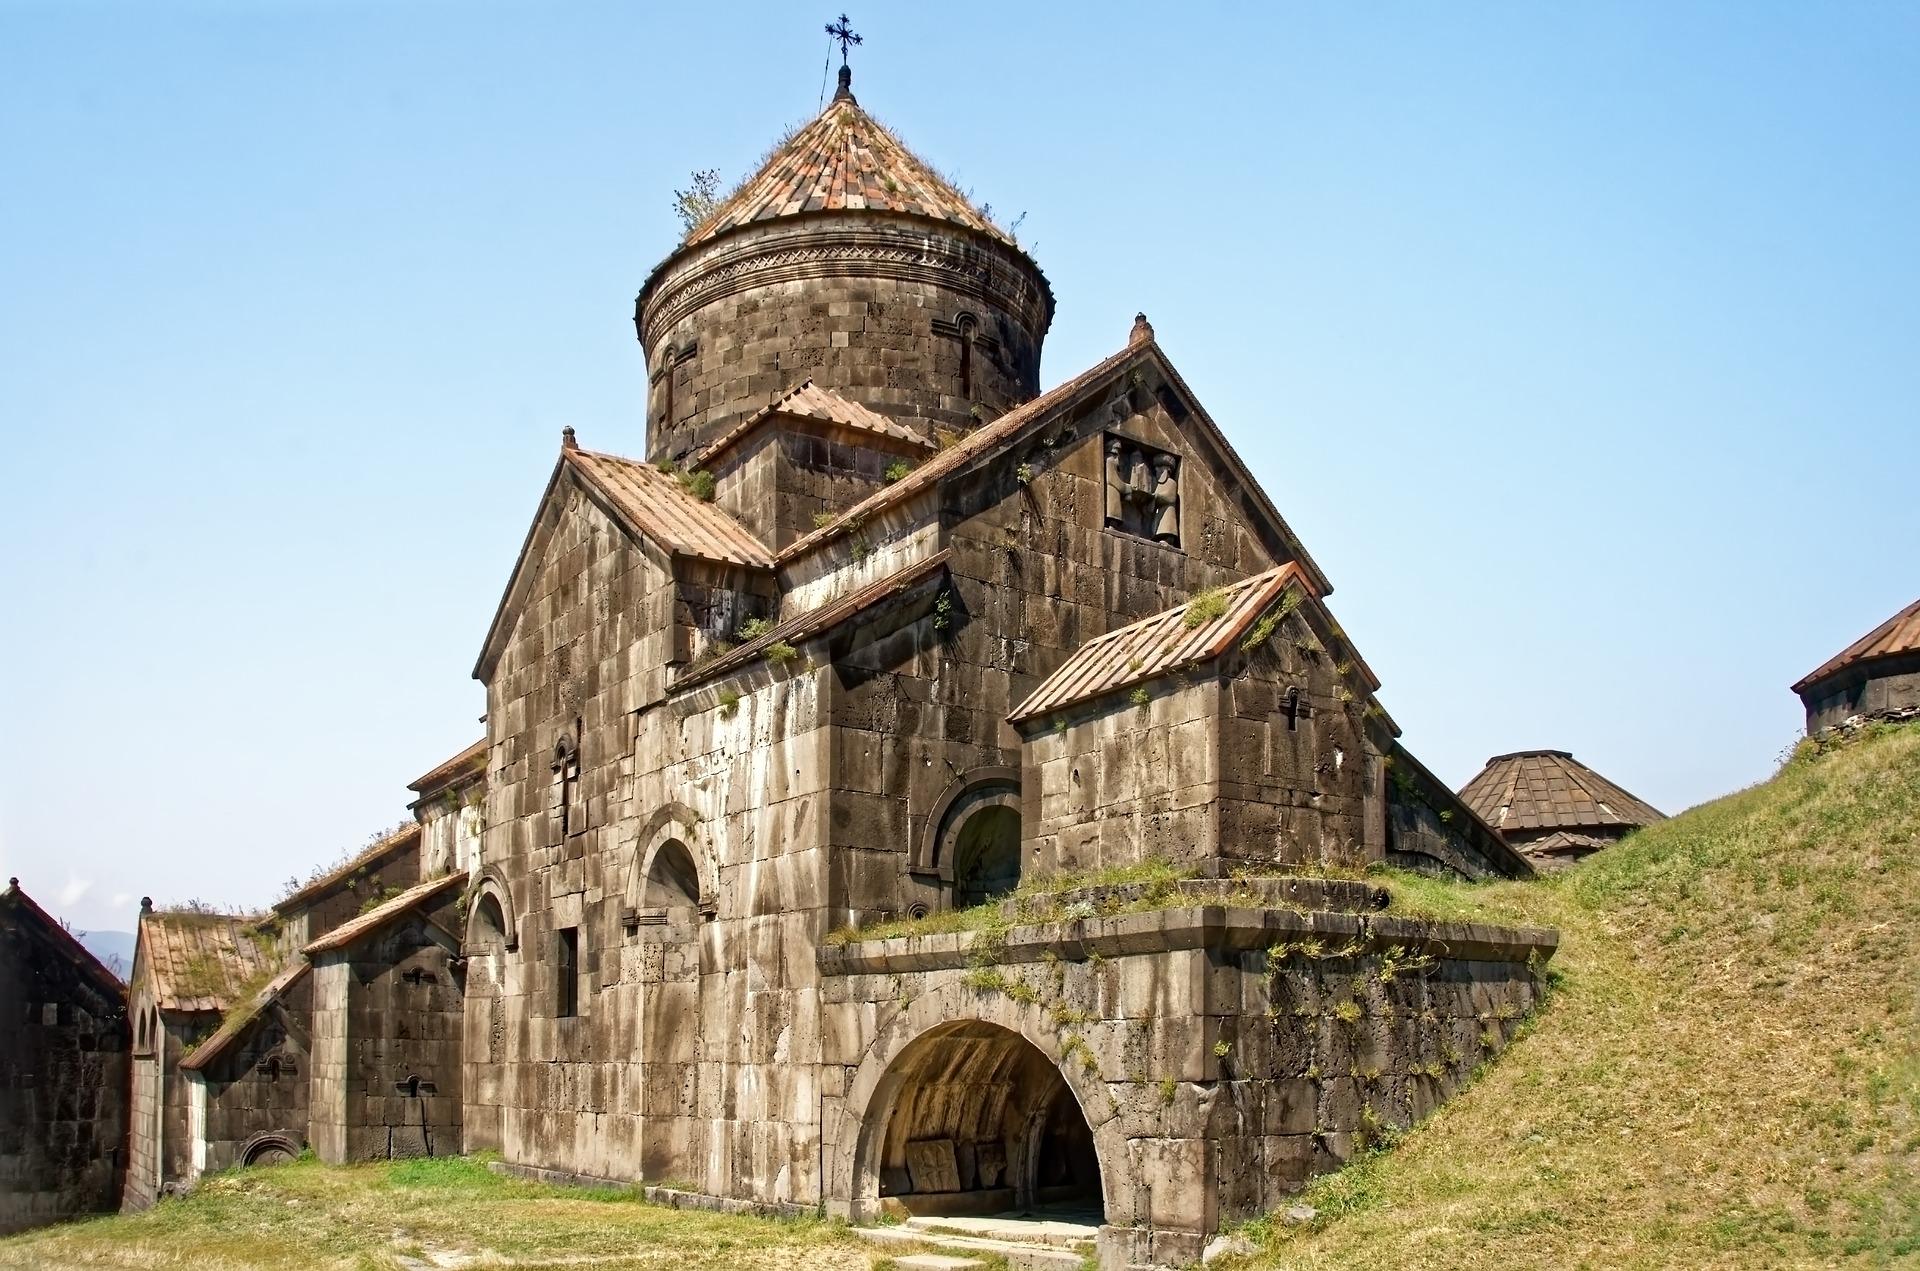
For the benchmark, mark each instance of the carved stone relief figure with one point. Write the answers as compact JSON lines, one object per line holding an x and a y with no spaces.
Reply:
{"x":1116,"y":486}
{"x":1166,"y":500}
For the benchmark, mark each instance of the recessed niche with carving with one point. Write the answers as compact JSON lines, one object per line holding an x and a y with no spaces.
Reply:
{"x":1143,"y":489}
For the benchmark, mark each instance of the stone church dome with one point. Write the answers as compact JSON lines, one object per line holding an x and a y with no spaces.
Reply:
{"x":847,"y":260}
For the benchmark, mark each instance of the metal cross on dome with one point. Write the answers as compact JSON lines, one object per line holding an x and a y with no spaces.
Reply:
{"x":842,"y":31}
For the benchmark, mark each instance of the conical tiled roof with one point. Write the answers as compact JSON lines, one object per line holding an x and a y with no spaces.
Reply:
{"x":1550,"y":790}
{"x":1898,"y":634}
{"x":843,"y":161}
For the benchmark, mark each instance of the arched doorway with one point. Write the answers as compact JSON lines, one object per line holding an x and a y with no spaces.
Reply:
{"x":972,"y":1118}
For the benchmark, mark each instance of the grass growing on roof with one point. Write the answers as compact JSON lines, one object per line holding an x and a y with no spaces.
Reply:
{"x":1034,"y":900}
{"x":1727,"y":1075}
{"x":307,"y":1215}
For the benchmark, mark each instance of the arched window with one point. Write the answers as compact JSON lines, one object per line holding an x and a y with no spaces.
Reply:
{"x":673,"y":883}
{"x":986,"y":855}
{"x":973,"y":840}
{"x":569,"y":814}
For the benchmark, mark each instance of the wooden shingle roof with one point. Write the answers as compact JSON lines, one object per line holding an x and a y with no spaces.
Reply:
{"x":844,"y":160}
{"x":200,"y":961}
{"x":1551,"y":790}
{"x":1898,"y":634}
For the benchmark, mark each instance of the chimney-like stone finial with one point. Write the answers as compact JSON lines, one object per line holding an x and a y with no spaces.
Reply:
{"x":567,"y":441}
{"x":844,"y":93}
{"x":1142,"y":330}
{"x":13,"y":884}
{"x":146,"y":904}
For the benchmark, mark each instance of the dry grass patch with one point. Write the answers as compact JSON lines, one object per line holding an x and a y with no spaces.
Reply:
{"x":439,"y":1212}
{"x":1727,"y":1076}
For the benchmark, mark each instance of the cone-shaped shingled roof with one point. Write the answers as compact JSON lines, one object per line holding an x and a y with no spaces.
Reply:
{"x":843,"y":161}
{"x":1550,"y":790}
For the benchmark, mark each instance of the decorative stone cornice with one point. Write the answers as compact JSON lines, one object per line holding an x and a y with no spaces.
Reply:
{"x":846,"y":245}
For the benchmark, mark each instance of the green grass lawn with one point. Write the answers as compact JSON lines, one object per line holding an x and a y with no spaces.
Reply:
{"x":1727,"y":1074}
{"x":443,"y":1212}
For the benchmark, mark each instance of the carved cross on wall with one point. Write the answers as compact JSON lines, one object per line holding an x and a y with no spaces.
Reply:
{"x":415,"y":976}
{"x":1295,"y":710}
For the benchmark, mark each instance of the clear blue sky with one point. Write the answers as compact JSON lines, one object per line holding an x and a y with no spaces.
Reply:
{"x":1577,"y":342}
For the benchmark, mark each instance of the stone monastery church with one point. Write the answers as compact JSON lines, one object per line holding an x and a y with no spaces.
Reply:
{"x":903,"y":791}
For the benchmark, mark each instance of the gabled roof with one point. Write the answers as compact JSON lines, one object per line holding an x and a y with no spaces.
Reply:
{"x":380,"y":915}
{"x":794,"y":630}
{"x":234,"y":1024}
{"x":843,"y":161}
{"x":993,"y":440}
{"x":406,"y":838}
{"x":469,"y":761}
{"x":199,"y":961}
{"x":1898,"y":634}
{"x":1152,"y":647}
{"x":808,"y":400}
{"x":1434,"y":793}
{"x":1550,"y":790}
{"x":647,"y":503}
{"x":658,"y":506}
{"x":83,"y":958}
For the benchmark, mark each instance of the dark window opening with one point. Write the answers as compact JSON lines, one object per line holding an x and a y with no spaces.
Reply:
{"x":1293,"y":709}
{"x":567,"y":973}
{"x":986,"y":859}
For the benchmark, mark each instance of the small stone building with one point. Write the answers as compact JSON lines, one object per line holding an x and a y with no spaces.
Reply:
{"x":1875,"y":677}
{"x":388,"y":994}
{"x":63,"y":1071}
{"x":189,"y":967}
{"x":1552,"y":808}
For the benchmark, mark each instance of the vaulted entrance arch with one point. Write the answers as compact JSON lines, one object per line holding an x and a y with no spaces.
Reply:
{"x":973,"y":1118}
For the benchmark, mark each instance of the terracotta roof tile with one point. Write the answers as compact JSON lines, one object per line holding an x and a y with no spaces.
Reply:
{"x":1898,"y":634}
{"x":200,"y":962}
{"x":843,"y":160}
{"x":658,"y":506}
{"x":407,"y":837}
{"x":981,"y":441}
{"x":471,"y":759}
{"x":378,"y":916}
{"x":1550,"y":790}
{"x":805,"y":626}
{"x":234,"y":1024}
{"x":810,"y":401}
{"x":1165,"y":642}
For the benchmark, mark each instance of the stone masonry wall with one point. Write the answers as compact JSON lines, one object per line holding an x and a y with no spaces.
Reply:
{"x":1220,"y":1056}
{"x":63,"y":1082}
{"x":871,"y":309}
{"x":260,"y":1085}
{"x":393,"y":1072}
{"x":1892,"y":684}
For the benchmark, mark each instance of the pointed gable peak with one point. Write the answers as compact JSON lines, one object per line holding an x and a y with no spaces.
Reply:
{"x":843,"y":160}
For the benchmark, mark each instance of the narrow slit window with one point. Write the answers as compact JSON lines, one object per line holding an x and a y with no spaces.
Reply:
{"x":567,"y":973}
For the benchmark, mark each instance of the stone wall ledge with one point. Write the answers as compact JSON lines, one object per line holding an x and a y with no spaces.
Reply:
{"x":671,"y":1197}
{"x":1184,"y":927}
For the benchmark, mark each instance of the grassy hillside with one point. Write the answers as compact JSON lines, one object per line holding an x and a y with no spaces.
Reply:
{"x":1728,"y":1074}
